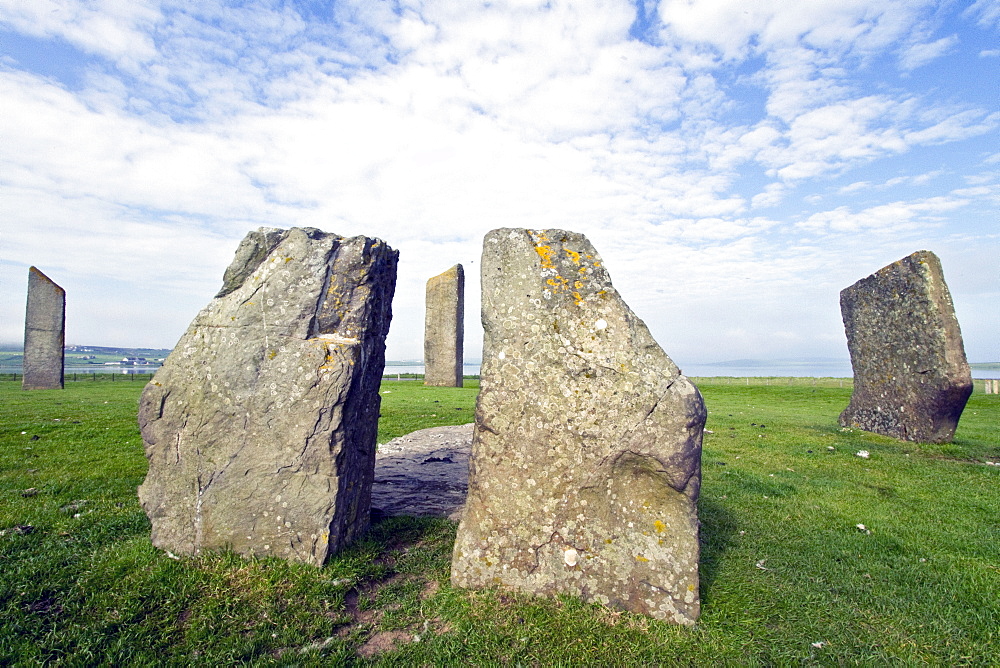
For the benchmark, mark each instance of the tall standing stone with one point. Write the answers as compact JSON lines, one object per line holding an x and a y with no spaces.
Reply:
{"x":911,"y":378}
{"x":444,"y":328}
{"x":44,"y":333}
{"x":260,"y":427}
{"x":586,"y":454}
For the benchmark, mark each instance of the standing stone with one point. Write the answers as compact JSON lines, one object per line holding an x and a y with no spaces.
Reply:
{"x":911,"y":378}
{"x":444,"y":328}
{"x":44,"y":333}
{"x":586,"y":454}
{"x":260,"y":427}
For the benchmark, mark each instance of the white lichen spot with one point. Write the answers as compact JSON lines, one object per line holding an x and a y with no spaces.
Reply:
{"x":601,"y":324}
{"x":502,"y":355}
{"x":571,"y":557}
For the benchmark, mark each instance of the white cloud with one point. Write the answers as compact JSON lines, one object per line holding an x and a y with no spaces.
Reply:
{"x":772,"y":195}
{"x":736,"y":28}
{"x":428,"y":123}
{"x":987,"y":13}
{"x":917,"y":55}
{"x":917,"y":179}
{"x":117,"y":29}
{"x":893,"y":218}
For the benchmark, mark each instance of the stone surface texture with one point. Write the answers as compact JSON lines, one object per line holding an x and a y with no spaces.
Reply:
{"x":911,"y":378}
{"x":44,"y":333}
{"x":260,"y":427}
{"x":425,"y":472}
{"x":586,"y":454}
{"x":444,"y":328}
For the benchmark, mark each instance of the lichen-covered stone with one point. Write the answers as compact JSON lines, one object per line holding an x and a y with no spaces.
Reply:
{"x":444,"y":328}
{"x":911,"y":378}
{"x":44,"y":333}
{"x":260,"y":427}
{"x":586,"y":455}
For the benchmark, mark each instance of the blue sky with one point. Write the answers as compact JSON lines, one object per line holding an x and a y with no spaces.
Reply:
{"x":735,"y":162}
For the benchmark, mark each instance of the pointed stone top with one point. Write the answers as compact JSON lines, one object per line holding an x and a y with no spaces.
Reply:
{"x":34,"y":273}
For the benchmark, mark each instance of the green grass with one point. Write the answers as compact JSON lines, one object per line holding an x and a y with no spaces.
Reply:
{"x":784,"y":564}
{"x":410,"y":405}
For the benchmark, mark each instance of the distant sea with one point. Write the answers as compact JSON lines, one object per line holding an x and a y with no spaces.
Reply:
{"x":798,"y":368}
{"x":739,"y":368}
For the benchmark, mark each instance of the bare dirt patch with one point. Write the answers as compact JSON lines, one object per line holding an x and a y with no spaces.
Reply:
{"x":384,"y":641}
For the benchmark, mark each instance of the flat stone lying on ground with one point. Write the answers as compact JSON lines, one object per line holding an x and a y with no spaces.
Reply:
{"x":44,"y":333}
{"x":444,"y":328}
{"x":911,"y":377}
{"x":586,"y":455}
{"x":260,"y":427}
{"x":424,"y":473}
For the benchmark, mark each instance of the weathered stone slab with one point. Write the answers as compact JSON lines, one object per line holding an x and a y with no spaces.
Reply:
{"x":425,"y":472}
{"x":586,"y":454}
{"x":260,"y":427}
{"x":911,"y":378}
{"x":444,"y":328}
{"x":44,"y":333}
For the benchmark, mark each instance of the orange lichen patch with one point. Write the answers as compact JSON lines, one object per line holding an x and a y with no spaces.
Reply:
{"x":659,"y":526}
{"x":547,"y":255}
{"x":544,"y":251}
{"x":573,"y":255}
{"x":578,"y":284}
{"x":639,"y":557}
{"x":577,"y":298}
{"x":558,"y":283}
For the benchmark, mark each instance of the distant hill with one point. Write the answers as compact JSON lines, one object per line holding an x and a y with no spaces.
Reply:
{"x":122,"y":352}
{"x":11,"y":355}
{"x":97,"y":350}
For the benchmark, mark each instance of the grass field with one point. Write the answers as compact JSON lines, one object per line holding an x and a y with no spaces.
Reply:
{"x":788,"y":575}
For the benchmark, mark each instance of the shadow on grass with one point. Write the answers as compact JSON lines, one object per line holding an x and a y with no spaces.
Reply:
{"x":718,"y":526}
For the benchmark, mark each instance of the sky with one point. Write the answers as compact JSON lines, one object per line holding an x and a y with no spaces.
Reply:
{"x":736,"y":163}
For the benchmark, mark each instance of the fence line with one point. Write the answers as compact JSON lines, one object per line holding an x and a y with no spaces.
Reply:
{"x":984,"y":385}
{"x":103,"y":376}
